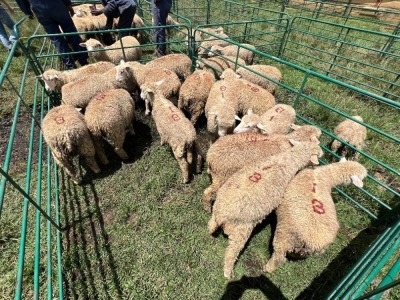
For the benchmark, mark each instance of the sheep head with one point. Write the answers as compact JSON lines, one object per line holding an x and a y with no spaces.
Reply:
{"x":351,"y":172}
{"x":249,"y":123}
{"x":51,"y":79}
{"x":221,"y":119}
{"x":92,"y":45}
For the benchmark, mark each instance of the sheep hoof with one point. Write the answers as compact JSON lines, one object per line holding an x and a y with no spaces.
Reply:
{"x":269,"y":268}
{"x":147,"y":112}
{"x":228,"y":275}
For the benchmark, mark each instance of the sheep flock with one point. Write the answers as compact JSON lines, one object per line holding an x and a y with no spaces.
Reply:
{"x":257,"y":159}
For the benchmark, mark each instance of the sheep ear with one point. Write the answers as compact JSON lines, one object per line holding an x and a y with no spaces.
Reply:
{"x":78,"y":109}
{"x":261,"y":126}
{"x":356,"y":181}
{"x":294,"y":142}
{"x":294,"y":126}
{"x":83,"y":45}
{"x":314,"y":159}
{"x":342,"y":159}
{"x":315,"y":140}
{"x":238,"y":75}
{"x":250,"y":111}
{"x":40,"y":77}
{"x":237,"y":118}
{"x":121,"y":61}
{"x":158,"y":83}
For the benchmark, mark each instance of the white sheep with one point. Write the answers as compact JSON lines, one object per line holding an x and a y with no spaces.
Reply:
{"x":232,"y":152}
{"x":179,"y":63}
{"x":210,"y":41}
{"x":114,"y":53}
{"x":119,"y":107}
{"x":307,"y":222}
{"x":168,"y":82}
{"x":218,"y":64}
{"x":277,"y":119}
{"x":234,"y":51}
{"x":352,"y":133}
{"x":54,"y":79}
{"x":253,"y":192}
{"x":271,"y":72}
{"x":194,"y":93}
{"x":79,"y":93}
{"x":65,"y":132}
{"x":174,"y":128}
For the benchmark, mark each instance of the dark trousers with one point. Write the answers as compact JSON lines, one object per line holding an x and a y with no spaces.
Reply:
{"x":126,"y":19}
{"x":160,"y":14}
{"x":50,"y":20}
{"x":25,"y":6}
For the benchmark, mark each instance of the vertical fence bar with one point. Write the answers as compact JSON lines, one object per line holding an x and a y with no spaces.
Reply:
{"x":59,"y":244}
{"x":49,"y":250}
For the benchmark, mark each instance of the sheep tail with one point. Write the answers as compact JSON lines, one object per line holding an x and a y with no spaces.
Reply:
{"x":212,"y":224}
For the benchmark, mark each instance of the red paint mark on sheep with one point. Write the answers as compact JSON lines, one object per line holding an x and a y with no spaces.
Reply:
{"x":267,"y":167}
{"x":168,"y":72}
{"x":59,"y":120}
{"x":279,"y":109}
{"x":101,"y":96}
{"x":175,"y":117}
{"x":272,"y":118}
{"x":255,"y":89}
{"x":256,"y":177}
{"x":251,"y":138}
{"x":318,"y":207}
{"x":222,"y":88}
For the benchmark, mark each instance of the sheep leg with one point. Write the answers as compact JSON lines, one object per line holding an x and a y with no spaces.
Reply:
{"x":199,"y":162}
{"x":183,"y":164}
{"x":277,"y":259}
{"x":66,"y":164}
{"x":189,"y":153}
{"x":98,"y":145}
{"x":237,"y":239}
{"x":336,"y":145}
{"x":195,"y":117}
{"x":209,"y":193}
{"x":117,"y":138}
{"x":147,"y":104}
{"x":86,"y":149}
{"x":131,"y":130}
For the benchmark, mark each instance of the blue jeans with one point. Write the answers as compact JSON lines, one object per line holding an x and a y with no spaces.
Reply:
{"x":51,"y":19}
{"x":6,"y":20}
{"x":160,"y":13}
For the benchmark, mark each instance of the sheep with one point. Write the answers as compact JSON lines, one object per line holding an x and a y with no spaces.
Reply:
{"x":194,"y":93}
{"x":307,"y":222}
{"x":181,"y":64}
{"x":230,"y":153}
{"x":114,"y":53}
{"x":266,"y":70}
{"x":65,"y":132}
{"x":251,"y":194}
{"x":238,"y":94}
{"x":234,"y":50}
{"x":275,"y":120}
{"x":79,"y":93}
{"x":218,"y":64}
{"x":54,"y":79}
{"x":83,"y":23}
{"x":206,"y":44}
{"x":174,"y":128}
{"x":201,"y":145}
{"x":201,"y":35}
{"x":118,"y":106}
{"x":138,"y":23}
{"x":168,"y":82}
{"x":352,"y":133}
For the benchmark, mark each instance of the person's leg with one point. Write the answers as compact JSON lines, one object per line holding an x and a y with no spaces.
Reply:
{"x":25,"y":6}
{"x":160,"y":14}
{"x":126,"y":19}
{"x":4,"y":36}
{"x":51,"y":27}
{"x":67,"y":25}
{"x":6,"y":20}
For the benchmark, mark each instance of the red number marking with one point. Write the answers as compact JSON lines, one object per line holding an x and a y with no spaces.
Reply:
{"x":175,"y":117}
{"x":313,"y":187}
{"x":197,"y":77}
{"x":318,"y":207}
{"x":256,"y":177}
{"x":222,"y":88}
{"x":272,"y":118}
{"x":266,"y":168}
{"x":59,"y":120}
{"x":255,"y":89}
{"x":251,"y":138}
{"x":279,"y":109}
{"x":168,"y":72}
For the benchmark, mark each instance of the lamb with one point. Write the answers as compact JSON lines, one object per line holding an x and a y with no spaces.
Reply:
{"x":54,"y":79}
{"x":66,"y":133}
{"x":250,"y":73}
{"x":79,"y":93}
{"x":352,"y":133}
{"x":277,"y":119}
{"x":232,"y":152}
{"x":234,"y":50}
{"x":114,"y":53}
{"x":181,"y":64}
{"x":242,"y":202}
{"x":118,"y":106}
{"x":194,"y":93}
{"x":218,"y":64}
{"x":168,"y":83}
{"x":174,"y":128}
{"x":307,"y":222}
{"x":206,"y":44}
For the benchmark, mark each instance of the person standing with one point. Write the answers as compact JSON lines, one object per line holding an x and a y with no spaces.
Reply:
{"x":5,"y":19}
{"x":123,"y":9}
{"x":56,"y":14}
{"x":25,"y":7}
{"x":160,"y":9}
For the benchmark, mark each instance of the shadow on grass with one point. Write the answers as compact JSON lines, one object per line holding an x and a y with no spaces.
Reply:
{"x":236,"y":289}
{"x":89,"y":267}
{"x":322,"y":285}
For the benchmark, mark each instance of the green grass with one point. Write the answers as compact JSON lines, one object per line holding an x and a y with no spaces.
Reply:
{"x":135,"y":232}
